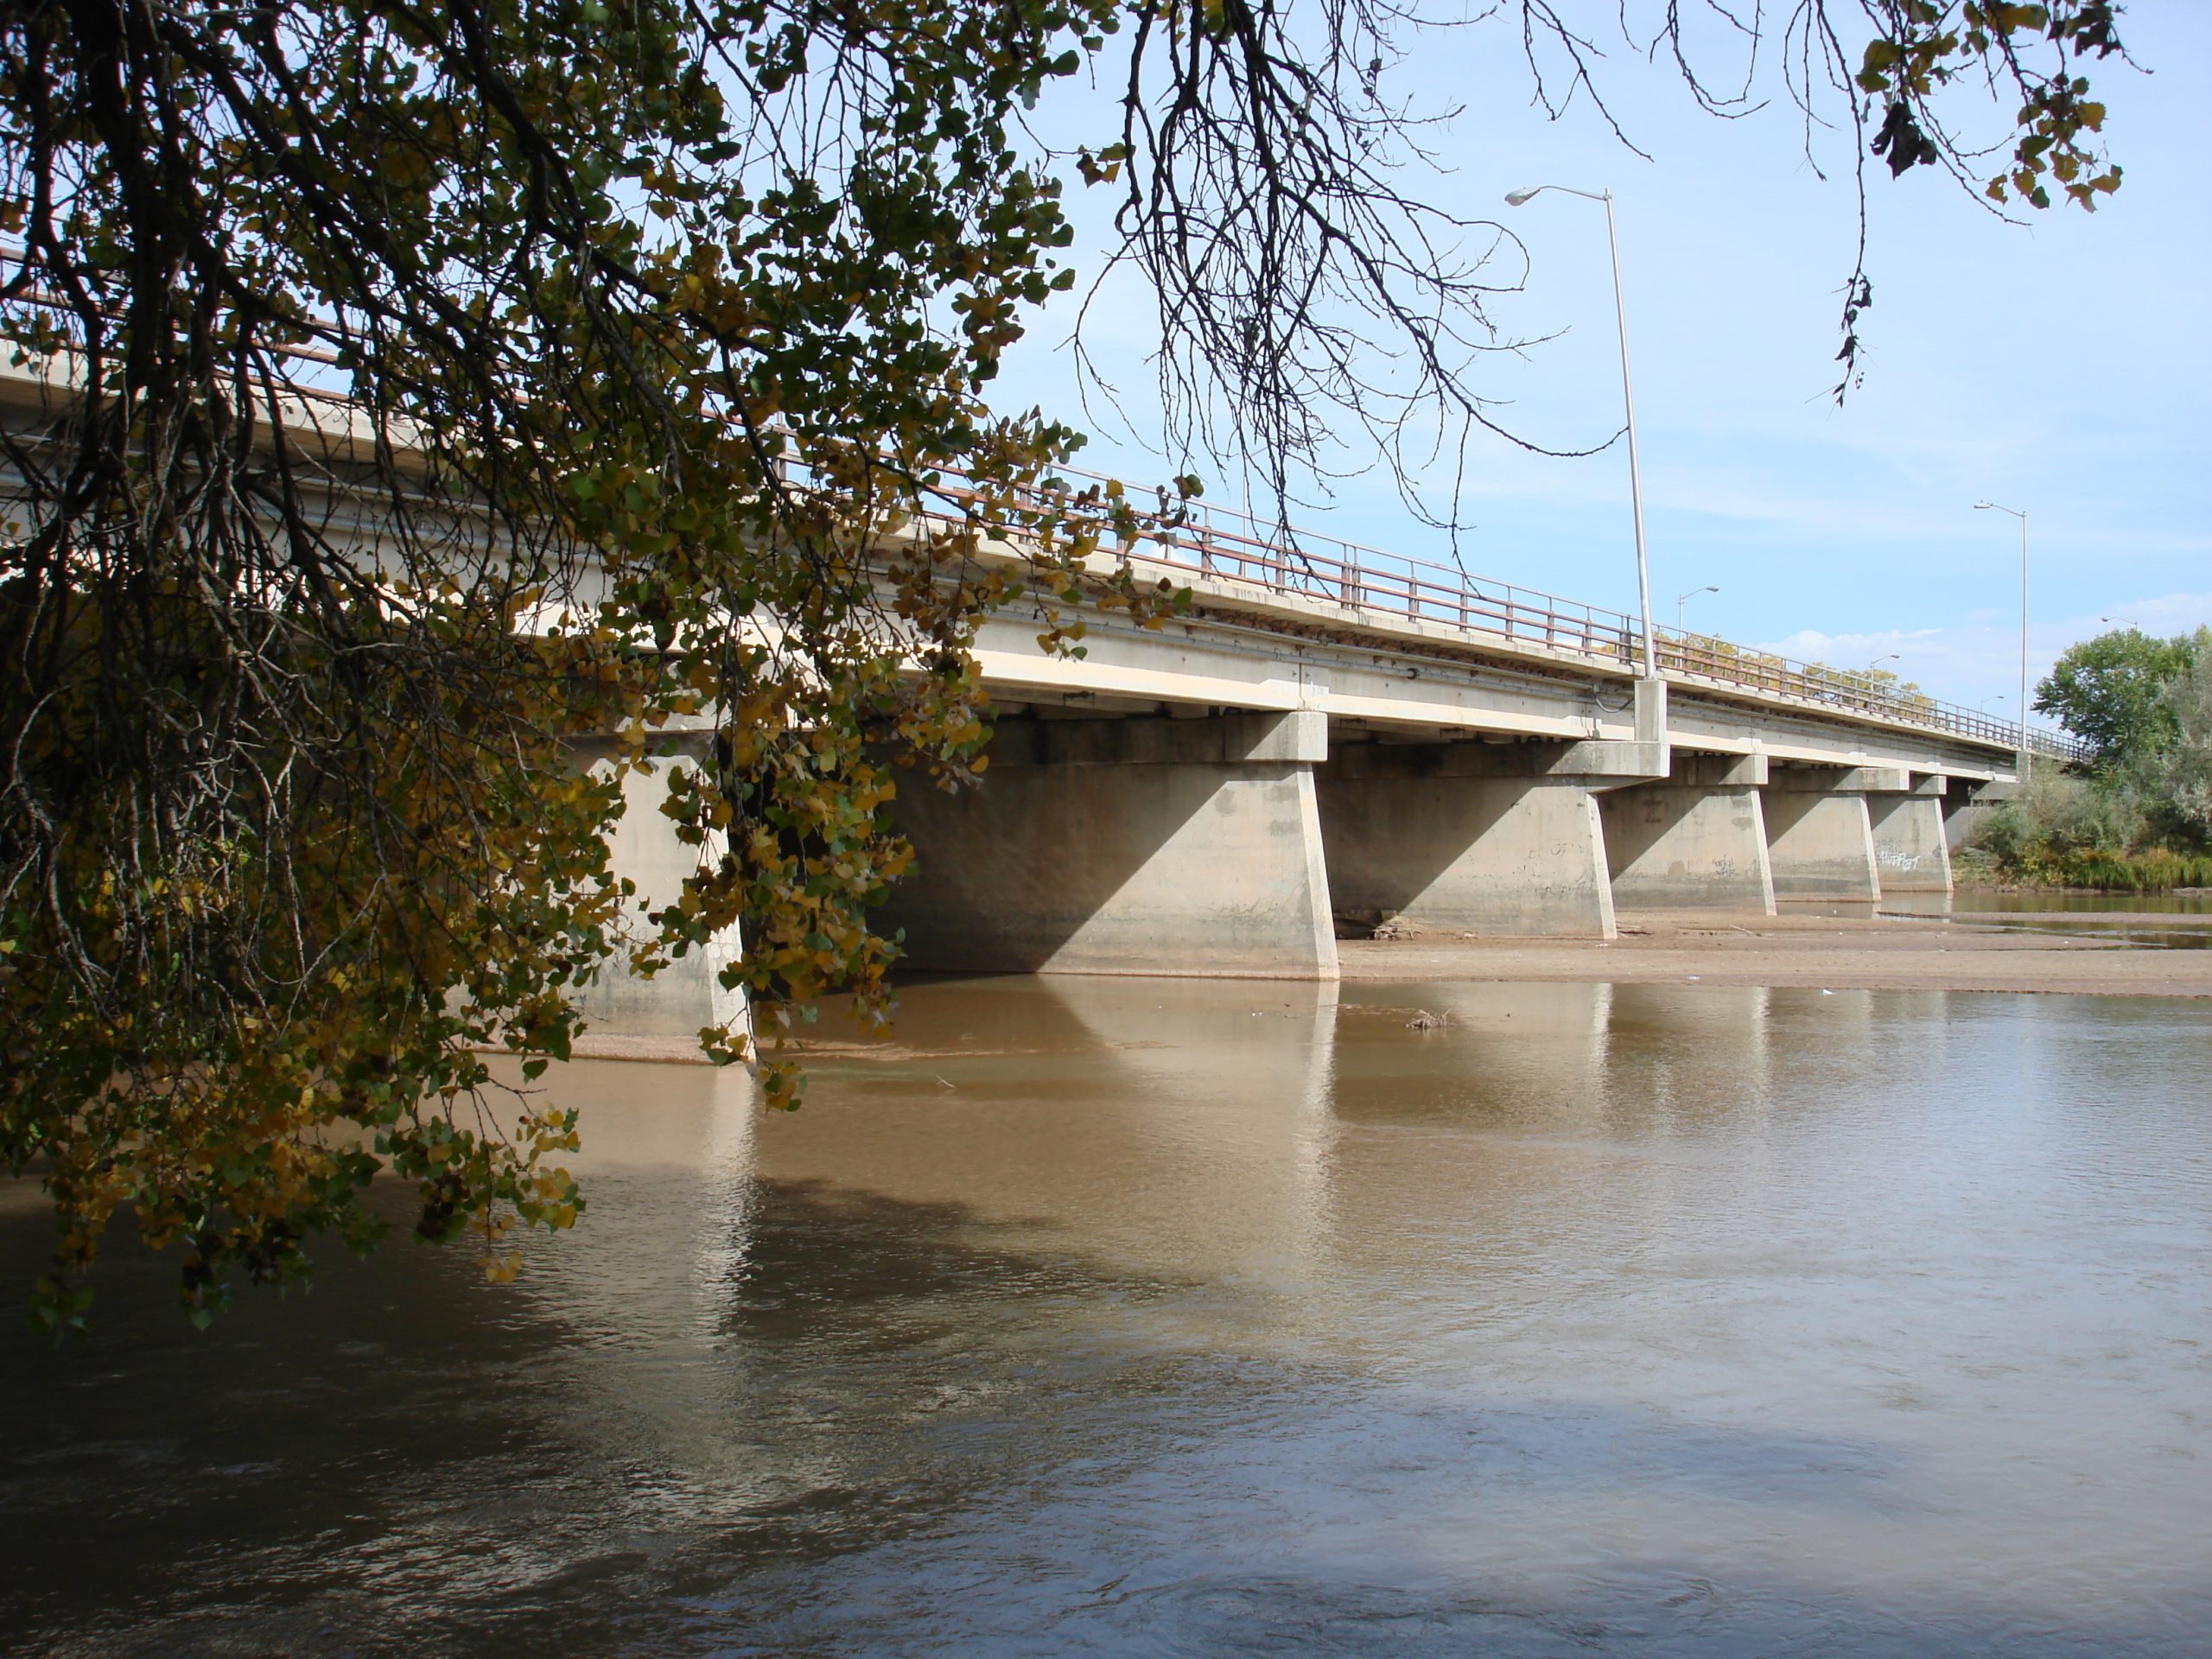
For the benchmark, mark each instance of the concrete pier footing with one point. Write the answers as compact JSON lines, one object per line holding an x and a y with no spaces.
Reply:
{"x":1142,"y":845}
{"x":1696,"y":841}
{"x":1911,"y":849}
{"x":1439,"y":835}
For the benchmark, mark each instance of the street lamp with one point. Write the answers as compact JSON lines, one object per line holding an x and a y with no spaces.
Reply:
{"x":1519,"y":198}
{"x":1681,"y":599}
{"x":1892,"y":658}
{"x":2021,"y":514}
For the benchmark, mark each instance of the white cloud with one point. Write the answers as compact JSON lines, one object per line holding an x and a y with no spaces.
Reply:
{"x":1979,"y":660}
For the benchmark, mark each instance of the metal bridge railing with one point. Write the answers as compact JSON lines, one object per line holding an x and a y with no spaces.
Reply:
{"x":1226,"y":543}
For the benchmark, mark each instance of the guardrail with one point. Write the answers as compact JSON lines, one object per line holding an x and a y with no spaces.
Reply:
{"x":1198,"y":536}
{"x":1228,"y":544}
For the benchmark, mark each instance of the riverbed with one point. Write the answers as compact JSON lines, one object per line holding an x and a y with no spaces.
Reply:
{"x":1169,"y":1317}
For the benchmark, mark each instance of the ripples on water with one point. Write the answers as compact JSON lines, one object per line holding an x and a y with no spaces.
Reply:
{"x":1168,"y":1317}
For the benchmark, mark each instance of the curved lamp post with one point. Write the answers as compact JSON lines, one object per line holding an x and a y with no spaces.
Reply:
{"x":1529,"y":193}
{"x":2020,"y":513}
{"x":1681,"y":599}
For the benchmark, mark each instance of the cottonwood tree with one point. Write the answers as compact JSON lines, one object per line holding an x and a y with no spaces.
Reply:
{"x":2111,"y":690}
{"x":407,"y":401}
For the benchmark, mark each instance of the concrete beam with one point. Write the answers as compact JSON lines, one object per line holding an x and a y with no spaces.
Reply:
{"x":1429,"y":836}
{"x":1862,"y":780}
{"x":1617,"y":761}
{"x":1719,"y":771}
{"x":1299,"y":735}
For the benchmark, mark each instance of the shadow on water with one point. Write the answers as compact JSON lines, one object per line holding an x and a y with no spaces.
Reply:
{"x":1163,"y":1318}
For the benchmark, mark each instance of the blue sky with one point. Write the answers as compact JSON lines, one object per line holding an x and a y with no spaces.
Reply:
{"x":2062,"y":367}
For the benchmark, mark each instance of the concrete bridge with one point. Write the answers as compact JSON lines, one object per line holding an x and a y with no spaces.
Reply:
{"x":1337,"y":733}
{"x":1334,"y":735}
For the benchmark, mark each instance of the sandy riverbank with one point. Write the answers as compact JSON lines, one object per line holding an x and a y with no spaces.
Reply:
{"x":1839,"y":952}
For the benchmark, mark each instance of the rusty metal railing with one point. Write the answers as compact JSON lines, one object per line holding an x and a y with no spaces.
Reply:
{"x":1226,"y":545}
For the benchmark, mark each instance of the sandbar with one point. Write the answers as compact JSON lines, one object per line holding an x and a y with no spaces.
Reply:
{"x":1866,"y":951}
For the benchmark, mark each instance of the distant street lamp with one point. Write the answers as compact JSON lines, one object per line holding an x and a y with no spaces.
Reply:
{"x":1682,"y":599}
{"x":1519,"y":198}
{"x":2021,"y":514}
{"x":1892,"y":658}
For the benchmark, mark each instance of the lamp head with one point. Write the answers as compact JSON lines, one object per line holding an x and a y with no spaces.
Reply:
{"x":1527,"y":192}
{"x":1983,"y":506}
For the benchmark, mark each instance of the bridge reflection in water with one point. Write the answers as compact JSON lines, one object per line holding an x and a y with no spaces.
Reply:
{"x":1117,"y":1315}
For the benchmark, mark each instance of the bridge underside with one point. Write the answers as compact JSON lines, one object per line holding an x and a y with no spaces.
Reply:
{"x":1225,"y":803}
{"x":1190,"y":840}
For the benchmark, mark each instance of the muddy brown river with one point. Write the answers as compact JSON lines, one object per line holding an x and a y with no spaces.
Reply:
{"x":1158,"y":1318}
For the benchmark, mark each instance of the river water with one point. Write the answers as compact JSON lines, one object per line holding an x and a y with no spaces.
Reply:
{"x":1155,"y":1317}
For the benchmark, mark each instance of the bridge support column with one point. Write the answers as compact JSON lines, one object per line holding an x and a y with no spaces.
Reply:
{"x":660,"y":1017}
{"x":1138,"y":846}
{"x":1911,"y":848}
{"x":1820,"y":837}
{"x":1696,"y":841}
{"x":1479,"y":837}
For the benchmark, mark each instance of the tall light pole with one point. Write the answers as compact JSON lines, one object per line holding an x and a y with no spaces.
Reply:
{"x":2020,"y":513}
{"x":1681,"y":599}
{"x":1892,"y":658}
{"x":1529,"y":193}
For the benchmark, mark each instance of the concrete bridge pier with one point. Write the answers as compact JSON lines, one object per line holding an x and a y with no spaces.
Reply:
{"x":1820,"y":836}
{"x":1910,"y":846}
{"x":628,"y":1015}
{"x":1139,"y":845}
{"x":1695,"y":839}
{"x":1495,"y":837}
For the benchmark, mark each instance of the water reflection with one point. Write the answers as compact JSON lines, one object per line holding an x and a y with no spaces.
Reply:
{"x":1175,"y":1317}
{"x":2180,"y":921}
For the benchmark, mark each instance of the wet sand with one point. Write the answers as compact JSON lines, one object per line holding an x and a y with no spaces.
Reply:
{"x":1856,"y":952}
